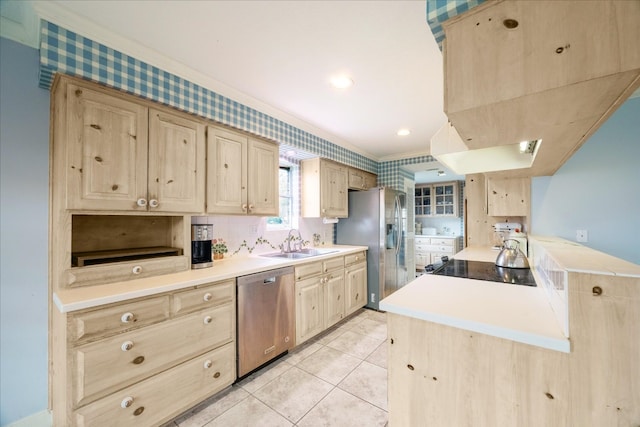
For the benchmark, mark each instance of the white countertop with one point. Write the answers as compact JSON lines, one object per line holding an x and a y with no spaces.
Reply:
{"x":73,"y":299}
{"x":517,"y":313}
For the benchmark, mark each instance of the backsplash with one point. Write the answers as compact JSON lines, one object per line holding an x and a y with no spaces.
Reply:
{"x":246,"y":235}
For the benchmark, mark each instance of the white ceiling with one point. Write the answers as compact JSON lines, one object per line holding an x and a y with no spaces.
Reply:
{"x":279,"y":55}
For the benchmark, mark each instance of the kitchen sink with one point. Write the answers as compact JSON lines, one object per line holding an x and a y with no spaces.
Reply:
{"x":302,"y":253}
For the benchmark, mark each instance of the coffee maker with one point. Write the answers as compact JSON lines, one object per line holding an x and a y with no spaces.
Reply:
{"x":201,"y":236}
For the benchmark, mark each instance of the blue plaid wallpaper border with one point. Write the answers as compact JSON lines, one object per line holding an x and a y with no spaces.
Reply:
{"x":439,"y":11}
{"x":66,"y":52}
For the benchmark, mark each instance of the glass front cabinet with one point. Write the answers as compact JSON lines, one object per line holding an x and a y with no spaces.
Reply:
{"x":437,"y":199}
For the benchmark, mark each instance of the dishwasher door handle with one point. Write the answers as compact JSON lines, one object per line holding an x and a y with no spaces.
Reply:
{"x":269,"y":280}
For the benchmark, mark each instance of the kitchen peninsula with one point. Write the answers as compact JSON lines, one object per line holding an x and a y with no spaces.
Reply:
{"x":468,"y":352}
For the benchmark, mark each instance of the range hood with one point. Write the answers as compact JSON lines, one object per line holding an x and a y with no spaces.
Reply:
{"x":449,"y":149}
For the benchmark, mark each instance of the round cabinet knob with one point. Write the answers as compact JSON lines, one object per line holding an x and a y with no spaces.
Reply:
{"x":244,"y":207}
{"x":127,"y":317}
{"x":207,"y":320}
{"x":207,"y":296}
{"x":136,"y":270}
{"x":126,"y":402}
{"x":153,"y":203}
{"x":208,"y":364}
{"x":250,"y":207}
{"x":141,"y":202}
{"x":127,"y":345}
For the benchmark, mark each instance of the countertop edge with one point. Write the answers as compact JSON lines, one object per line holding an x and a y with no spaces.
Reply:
{"x":75,"y":299}
{"x":557,"y":344}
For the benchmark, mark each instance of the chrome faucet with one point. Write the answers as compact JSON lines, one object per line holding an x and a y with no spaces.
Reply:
{"x":290,"y":237}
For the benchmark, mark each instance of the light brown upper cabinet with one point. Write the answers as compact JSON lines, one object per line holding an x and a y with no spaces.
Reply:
{"x":361,"y":180}
{"x":552,"y":70}
{"x":324,"y":189}
{"x":242,"y":174}
{"x":123,"y":156}
{"x":508,"y":196}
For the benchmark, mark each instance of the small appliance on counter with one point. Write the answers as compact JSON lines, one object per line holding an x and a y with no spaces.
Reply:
{"x":511,"y":256}
{"x":509,"y":230}
{"x":201,"y":236}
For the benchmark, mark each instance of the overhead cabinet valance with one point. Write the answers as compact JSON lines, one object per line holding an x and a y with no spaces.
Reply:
{"x":550,"y":70}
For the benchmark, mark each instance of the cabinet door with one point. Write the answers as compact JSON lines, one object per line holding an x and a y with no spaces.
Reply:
{"x":508,"y":196}
{"x":226,"y":172}
{"x":176,"y":163}
{"x":356,"y":179}
{"x":309,"y":309}
{"x":106,"y":151}
{"x":445,"y":198}
{"x":333,"y":190}
{"x":355,"y":288}
{"x":370,"y":181}
{"x":263,"y":191}
{"x":334,"y":297}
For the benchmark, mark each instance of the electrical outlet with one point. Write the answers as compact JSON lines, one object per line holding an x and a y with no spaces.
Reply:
{"x":253,"y":229}
{"x":582,"y":236}
{"x":373,"y":297}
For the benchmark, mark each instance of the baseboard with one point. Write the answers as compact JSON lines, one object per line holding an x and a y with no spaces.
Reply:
{"x":39,"y":419}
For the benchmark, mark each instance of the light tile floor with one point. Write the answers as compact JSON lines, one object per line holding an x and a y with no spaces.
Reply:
{"x":336,"y":379}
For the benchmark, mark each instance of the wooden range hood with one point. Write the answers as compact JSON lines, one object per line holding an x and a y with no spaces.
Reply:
{"x":551,"y":70}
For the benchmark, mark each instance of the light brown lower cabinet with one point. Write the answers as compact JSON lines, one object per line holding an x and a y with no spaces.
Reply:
{"x":142,"y":362}
{"x":150,"y":402}
{"x":441,"y":376}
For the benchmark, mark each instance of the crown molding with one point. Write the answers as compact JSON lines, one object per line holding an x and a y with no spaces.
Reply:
{"x":59,"y":15}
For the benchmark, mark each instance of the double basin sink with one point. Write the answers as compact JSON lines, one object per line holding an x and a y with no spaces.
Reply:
{"x":302,"y":253}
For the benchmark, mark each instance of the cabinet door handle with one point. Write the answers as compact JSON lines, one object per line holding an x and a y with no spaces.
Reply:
{"x":153,"y":203}
{"x":208,"y":364}
{"x":127,"y":345}
{"x":126,"y":402}
{"x":207,"y":320}
{"x":127,"y":317}
{"x":207,"y":297}
{"x":136,"y":270}
{"x":250,"y":207}
{"x":142,"y":202}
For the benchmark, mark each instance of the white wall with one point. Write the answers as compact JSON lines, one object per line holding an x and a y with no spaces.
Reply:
{"x":597,"y":189}
{"x":24,"y":196}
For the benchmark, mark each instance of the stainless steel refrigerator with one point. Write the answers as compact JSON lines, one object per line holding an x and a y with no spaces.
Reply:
{"x":378,"y":220}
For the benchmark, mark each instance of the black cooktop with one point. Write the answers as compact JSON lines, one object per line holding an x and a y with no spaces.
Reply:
{"x":480,"y":270}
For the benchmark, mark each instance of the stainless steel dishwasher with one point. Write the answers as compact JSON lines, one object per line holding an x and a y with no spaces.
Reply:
{"x":266,"y":317}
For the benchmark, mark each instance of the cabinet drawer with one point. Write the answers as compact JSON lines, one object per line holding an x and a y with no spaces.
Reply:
{"x":332,"y":264}
{"x":441,"y":248}
{"x":101,"y":367}
{"x":422,"y":240}
{"x":354,"y":258}
{"x":422,"y":248}
{"x":308,"y":270}
{"x":442,"y":242}
{"x":122,"y":271}
{"x":83,"y":326}
{"x":164,"y":396}
{"x":203,"y":297}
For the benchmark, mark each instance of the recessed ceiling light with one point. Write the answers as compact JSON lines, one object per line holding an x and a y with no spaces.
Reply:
{"x":404,"y":132}
{"x":341,"y":81}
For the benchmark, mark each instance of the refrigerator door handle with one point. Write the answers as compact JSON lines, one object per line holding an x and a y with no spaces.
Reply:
{"x":399,"y":224}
